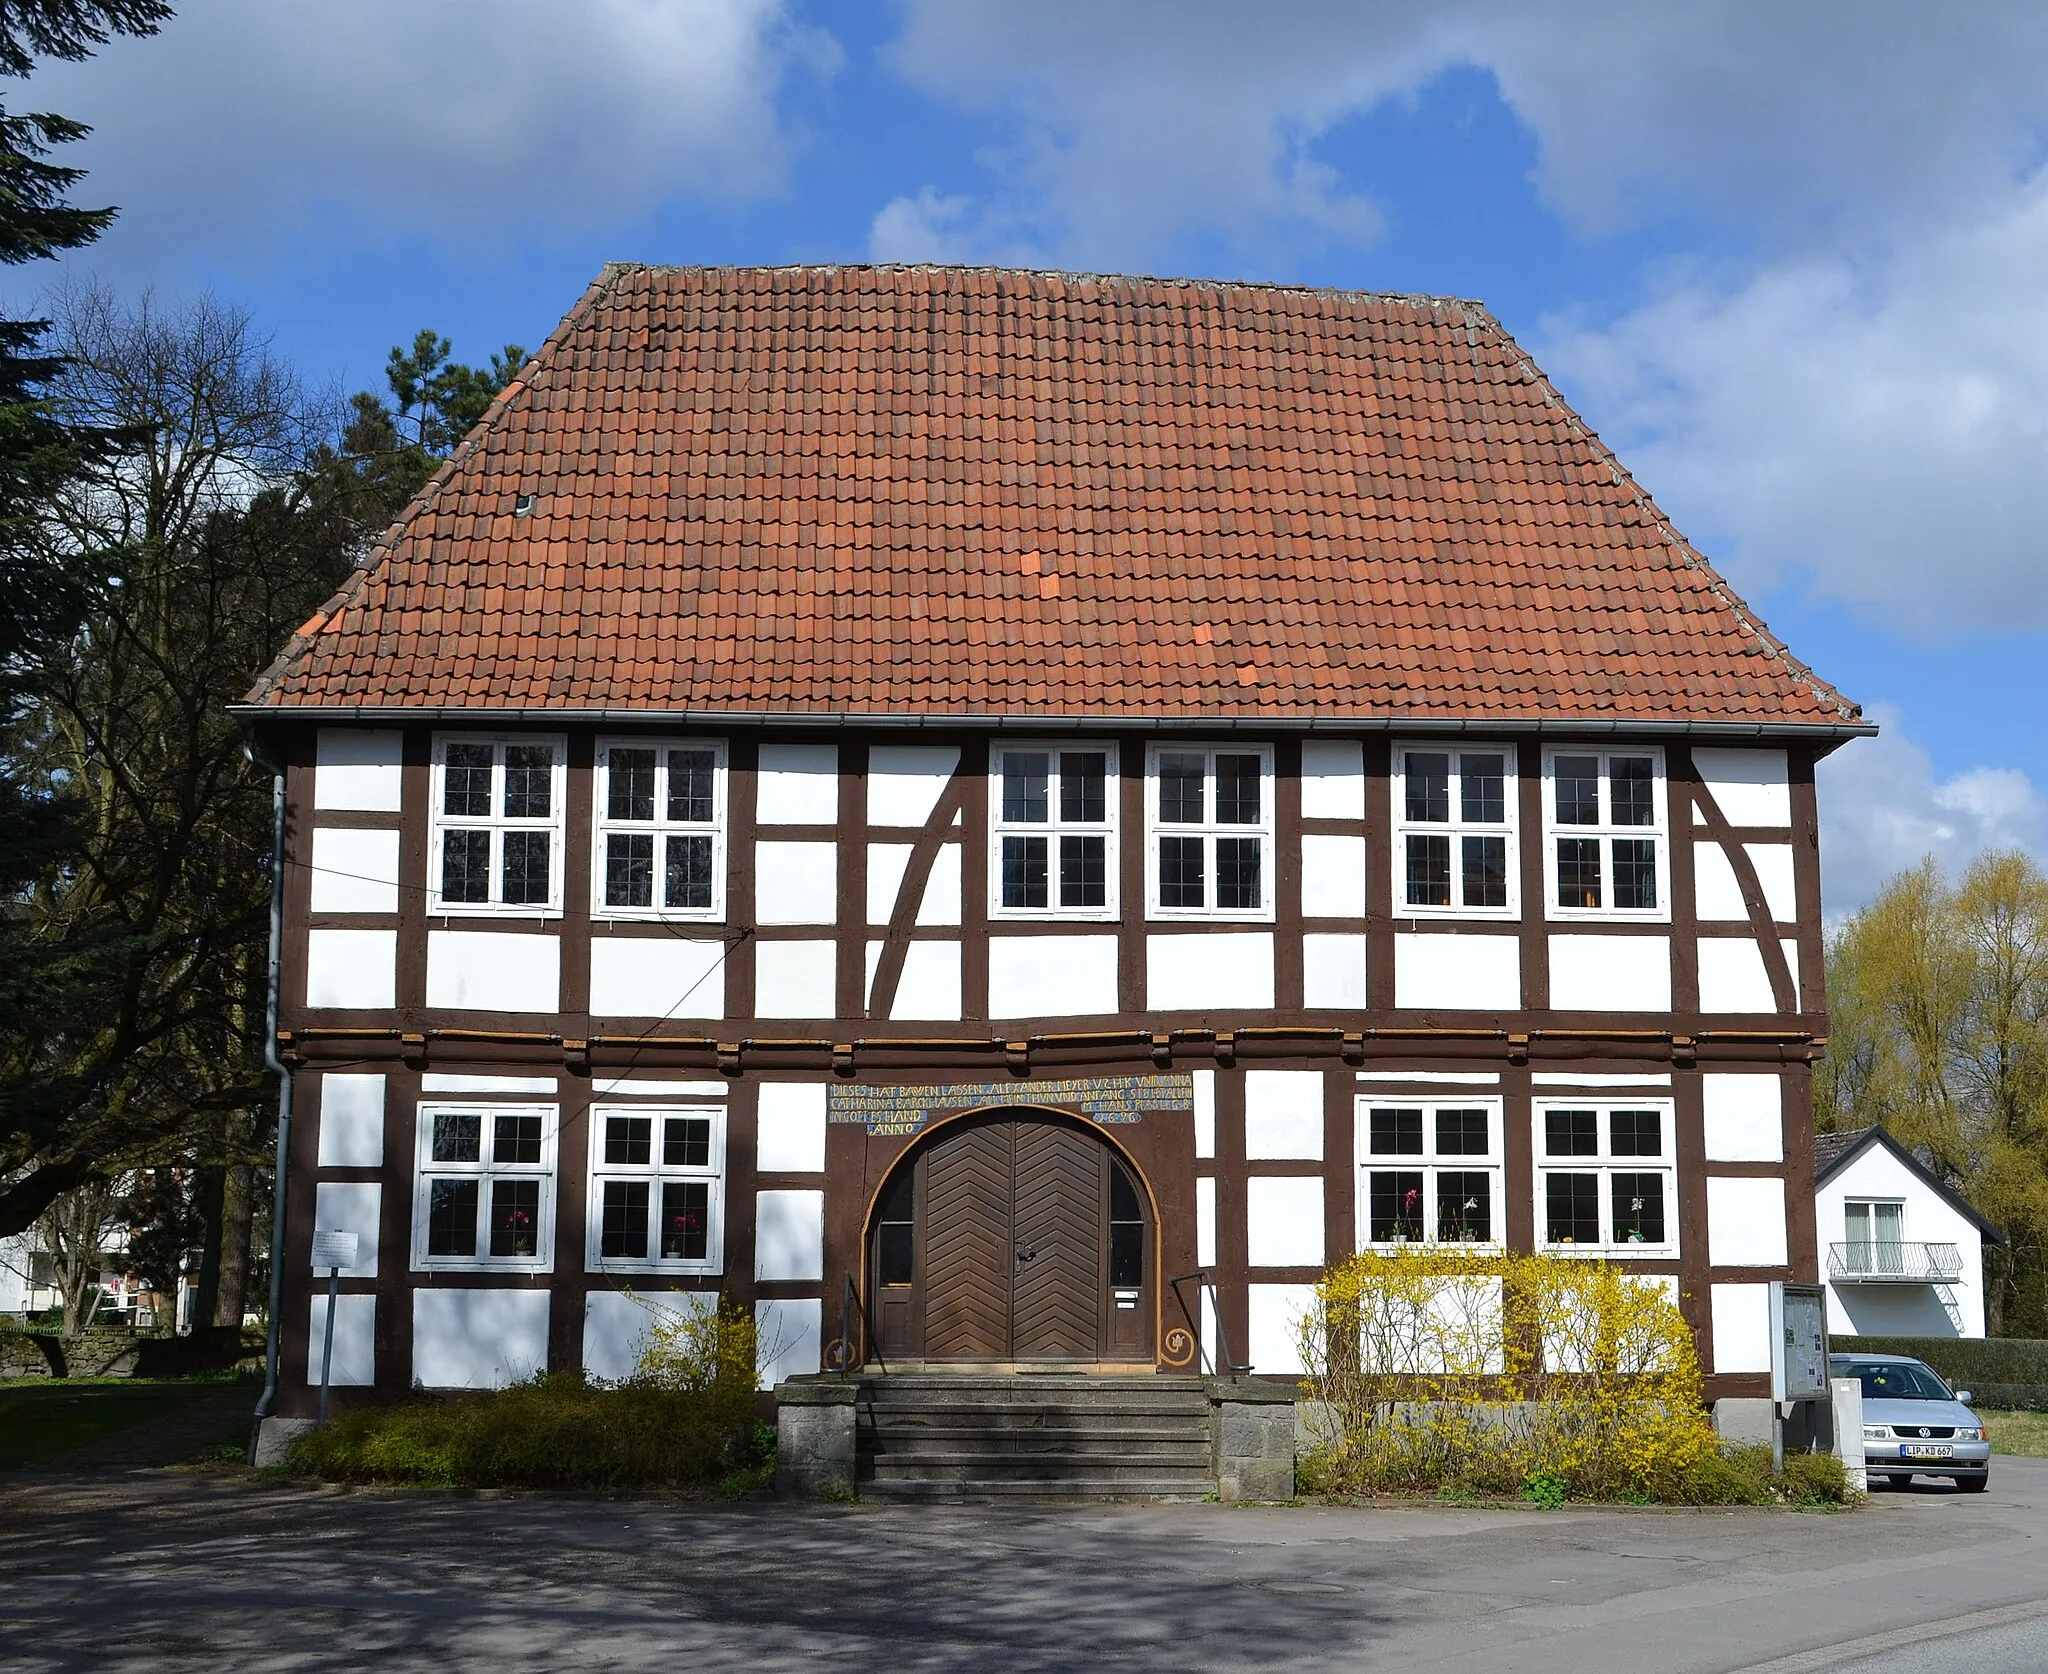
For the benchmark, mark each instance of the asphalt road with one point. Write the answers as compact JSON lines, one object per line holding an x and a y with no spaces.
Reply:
{"x":154,"y":1570}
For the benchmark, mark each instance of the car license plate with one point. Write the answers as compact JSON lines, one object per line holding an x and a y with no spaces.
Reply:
{"x":1925,"y":1451}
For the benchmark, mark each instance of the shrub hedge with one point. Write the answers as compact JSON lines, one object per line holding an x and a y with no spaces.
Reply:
{"x":556,"y":1432}
{"x":685,"y":1419}
{"x":2009,"y":1372}
{"x":1495,"y":1375}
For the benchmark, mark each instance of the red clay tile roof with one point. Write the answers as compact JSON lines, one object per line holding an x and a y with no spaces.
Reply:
{"x":929,"y":491}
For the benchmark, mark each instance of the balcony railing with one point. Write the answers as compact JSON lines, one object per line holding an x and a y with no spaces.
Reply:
{"x":1894,"y":1264}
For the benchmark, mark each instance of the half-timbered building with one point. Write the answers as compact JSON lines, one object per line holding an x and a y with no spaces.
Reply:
{"x":1055,"y":805}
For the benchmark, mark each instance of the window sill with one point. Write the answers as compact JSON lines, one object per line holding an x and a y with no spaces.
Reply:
{"x":1612,"y":1252}
{"x":616,"y":915}
{"x":462,"y":1264}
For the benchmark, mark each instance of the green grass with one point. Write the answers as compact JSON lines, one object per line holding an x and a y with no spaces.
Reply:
{"x":2023,"y":1433}
{"x":43,"y":1421}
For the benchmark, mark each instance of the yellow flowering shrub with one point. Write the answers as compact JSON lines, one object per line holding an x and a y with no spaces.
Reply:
{"x":1434,"y":1368}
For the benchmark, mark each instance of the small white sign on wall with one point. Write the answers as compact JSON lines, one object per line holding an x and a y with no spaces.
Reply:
{"x":334,"y":1249}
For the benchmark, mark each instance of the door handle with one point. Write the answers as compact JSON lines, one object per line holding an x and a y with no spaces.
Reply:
{"x":1026,"y":1252}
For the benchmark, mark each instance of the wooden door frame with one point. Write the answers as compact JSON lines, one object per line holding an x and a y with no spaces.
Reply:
{"x":1023,"y":1111}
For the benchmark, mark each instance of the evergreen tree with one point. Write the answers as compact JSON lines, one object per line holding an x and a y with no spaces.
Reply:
{"x":40,"y":453}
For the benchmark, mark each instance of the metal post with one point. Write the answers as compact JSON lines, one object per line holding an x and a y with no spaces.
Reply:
{"x":327,"y":1344}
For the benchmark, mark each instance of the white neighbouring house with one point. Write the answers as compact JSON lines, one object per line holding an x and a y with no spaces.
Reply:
{"x":1901,"y":1254}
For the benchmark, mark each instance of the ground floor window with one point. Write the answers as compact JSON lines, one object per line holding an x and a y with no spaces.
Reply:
{"x":657,"y":1188}
{"x":1605,"y":1177}
{"x":485,"y":1196}
{"x":1429,"y":1173}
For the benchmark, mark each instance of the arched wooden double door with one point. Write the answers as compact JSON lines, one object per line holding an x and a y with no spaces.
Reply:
{"x":1013,"y":1236}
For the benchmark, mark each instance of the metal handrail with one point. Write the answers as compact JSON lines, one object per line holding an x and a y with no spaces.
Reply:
{"x":852,"y":1304}
{"x":1877,"y":1262}
{"x":1229,"y":1367}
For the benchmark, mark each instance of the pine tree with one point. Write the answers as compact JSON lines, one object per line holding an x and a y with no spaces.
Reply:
{"x":39,"y":454}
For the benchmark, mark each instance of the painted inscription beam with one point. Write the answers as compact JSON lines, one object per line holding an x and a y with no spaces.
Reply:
{"x":1105,"y":1099}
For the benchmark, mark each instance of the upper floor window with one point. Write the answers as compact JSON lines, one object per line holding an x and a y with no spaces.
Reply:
{"x":660,"y":829}
{"x":1209,"y":837}
{"x":1430,"y":1173}
{"x":1873,"y":1236}
{"x":485,"y":1195}
{"x":1454,"y":832}
{"x":1053,"y":812}
{"x":1604,"y":1178}
{"x":1608,"y":856}
{"x":497,"y":825}
{"x":657,"y":1188}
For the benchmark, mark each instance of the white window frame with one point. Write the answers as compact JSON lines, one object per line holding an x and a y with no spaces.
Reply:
{"x":1455,"y":828}
{"x":440,"y":823}
{"x":1052,"y":828}
{"x":486,"y":1171}
{"x":1605,"y":1164}
{"x":1429,"y":1162}
{"x":1658,"y":833}
{"x":1209,"y":830}
{"x":661,"y":827}
{"x":655,"y":1172}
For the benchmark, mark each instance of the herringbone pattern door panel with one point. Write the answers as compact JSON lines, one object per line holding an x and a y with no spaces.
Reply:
{"x":1057,"y":1306}
{"x":967,"y":1244}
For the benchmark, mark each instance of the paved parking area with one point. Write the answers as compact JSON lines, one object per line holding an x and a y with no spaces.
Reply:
{"x":154,"y":1570}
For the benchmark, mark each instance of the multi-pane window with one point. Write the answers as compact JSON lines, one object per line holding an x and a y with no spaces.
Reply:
{"x":1604,"y":814}
{"x":1429,"y":1173}
{"x":1874,"y":1234}
{"x":1454,"y":831}
{"x":659,"y":826}
{"x":657,"y":1188}
{"x":497,"y":825}
{"x":485,"y":1193}
{"x":1209,"y":817}
{"x":1604,"y":1177}
{"x":1053,"y":813}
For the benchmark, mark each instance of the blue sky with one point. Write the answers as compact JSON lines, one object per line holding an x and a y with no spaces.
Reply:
{"x":1790,"y":260}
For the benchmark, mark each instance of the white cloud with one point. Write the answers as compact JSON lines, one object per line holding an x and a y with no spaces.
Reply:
{"x":462,"y":124}
{"x":1123,"y":129}
{"x":1882,"y":811}
{"x":1879,"y":426}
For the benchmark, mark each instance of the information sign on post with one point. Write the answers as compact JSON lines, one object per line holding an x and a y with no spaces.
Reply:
{"x":1799,"y":1342}
{"x":333,"y":1251}
{"x":1799,"y":1360}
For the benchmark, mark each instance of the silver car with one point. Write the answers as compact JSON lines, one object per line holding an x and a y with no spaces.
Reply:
{"x":1914,"y":1424}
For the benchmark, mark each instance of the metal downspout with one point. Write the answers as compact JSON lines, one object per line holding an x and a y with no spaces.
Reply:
{"x":265,"y":1401}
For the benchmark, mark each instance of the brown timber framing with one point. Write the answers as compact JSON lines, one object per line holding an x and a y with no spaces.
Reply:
{"x":862,"y":1044}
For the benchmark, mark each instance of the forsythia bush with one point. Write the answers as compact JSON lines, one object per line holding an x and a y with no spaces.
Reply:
{"x":1436,"y":1368}
{"x":685,"y":1419}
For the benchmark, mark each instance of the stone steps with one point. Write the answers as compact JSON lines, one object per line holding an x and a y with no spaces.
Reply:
{"x":1008,"y":1435}
{"x":938,"y":1435}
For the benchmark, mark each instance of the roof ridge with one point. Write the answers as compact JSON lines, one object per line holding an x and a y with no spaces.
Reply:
{"x":613,"y":270}
{"x":1688,"y":554}
{"x":386,"y":545}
